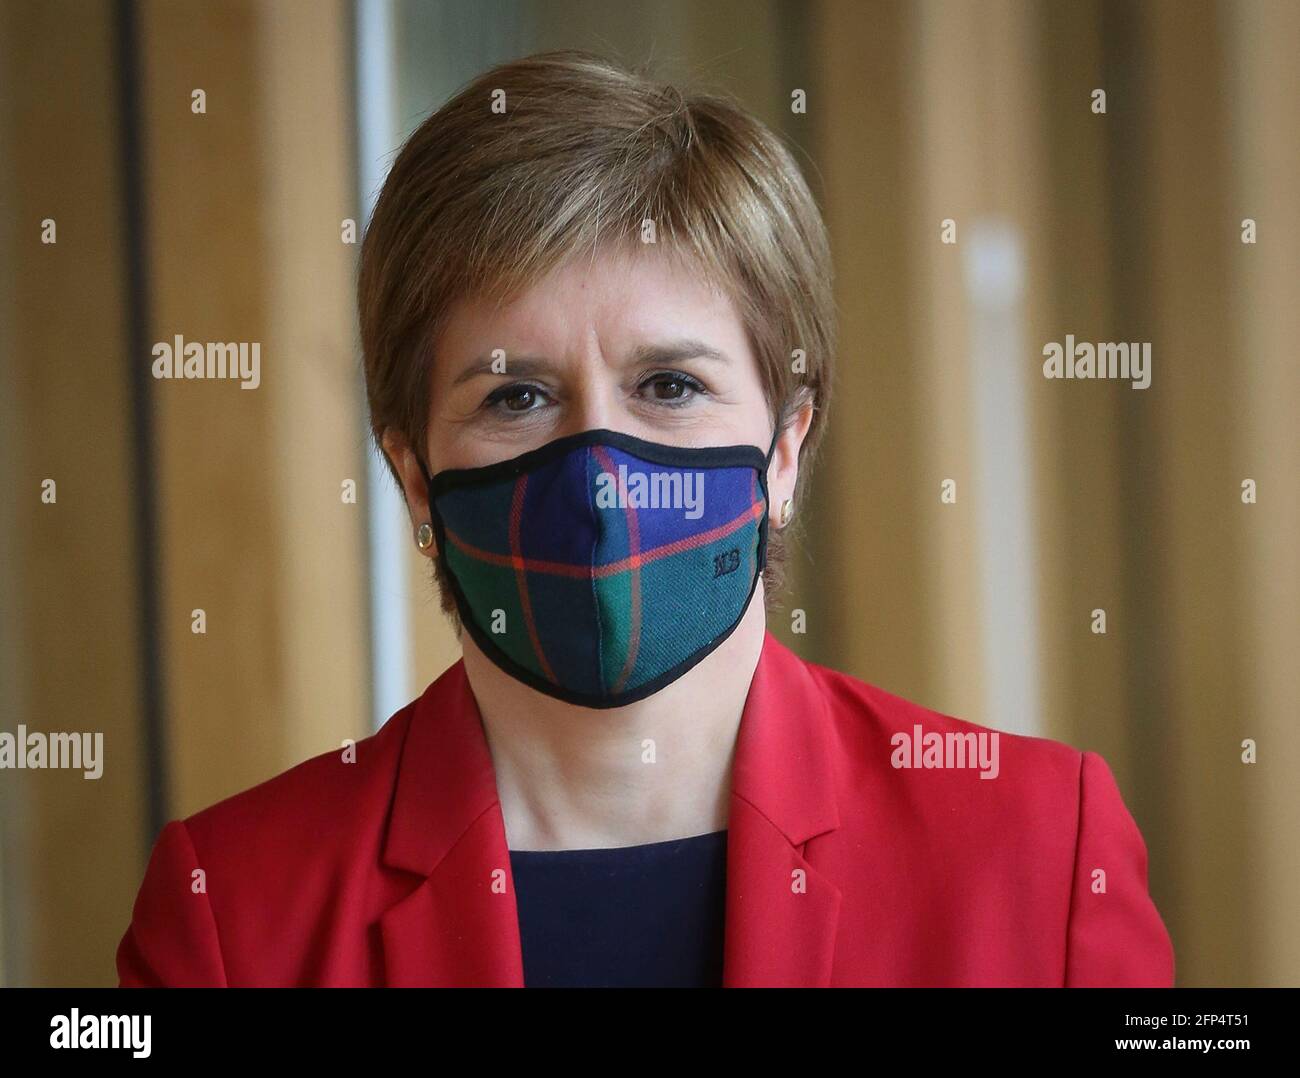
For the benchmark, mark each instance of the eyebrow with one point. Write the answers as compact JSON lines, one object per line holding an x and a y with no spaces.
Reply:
{"x":675,"y":351}
{"x":647,"y":354}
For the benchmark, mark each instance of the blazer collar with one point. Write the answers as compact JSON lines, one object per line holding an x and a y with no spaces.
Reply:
{"x":460,"y":926}
{"x":782,"y":914}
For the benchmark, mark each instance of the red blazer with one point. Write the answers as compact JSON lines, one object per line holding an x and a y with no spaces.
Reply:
{"x":841,"y":868}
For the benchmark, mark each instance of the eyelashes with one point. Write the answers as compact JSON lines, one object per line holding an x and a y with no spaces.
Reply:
{"x":666,"y":378}
{"x":521,"y":398}
{"x":503,"y":397}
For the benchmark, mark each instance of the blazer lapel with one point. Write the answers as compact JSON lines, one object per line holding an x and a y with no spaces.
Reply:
{"x":782,"y":914}
{"x":460,"y":927}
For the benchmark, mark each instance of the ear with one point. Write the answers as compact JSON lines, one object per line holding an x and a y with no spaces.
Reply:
{"x":407,"y":466}
{"x":783,"y":472}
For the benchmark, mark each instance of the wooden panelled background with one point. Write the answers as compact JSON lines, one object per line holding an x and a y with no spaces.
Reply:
{"x":1129,"y":228}
{"x":242,"y":237}
{"x":71,"y":847}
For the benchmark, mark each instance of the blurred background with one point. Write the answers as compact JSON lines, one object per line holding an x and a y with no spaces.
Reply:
{"x":232,"y":224}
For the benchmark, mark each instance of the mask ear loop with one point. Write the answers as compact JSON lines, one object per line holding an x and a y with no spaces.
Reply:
{"x":767,"y":501}
{"x":771,"y":449}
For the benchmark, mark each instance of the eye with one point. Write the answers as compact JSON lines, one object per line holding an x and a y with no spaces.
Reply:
{"x":671,"y":387}
{"x":516,"y":397}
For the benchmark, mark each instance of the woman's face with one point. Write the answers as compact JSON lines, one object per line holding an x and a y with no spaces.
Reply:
{"x":630,"y":345}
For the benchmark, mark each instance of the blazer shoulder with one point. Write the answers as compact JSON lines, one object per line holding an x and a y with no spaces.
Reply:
{"x":867,"y":718}
{"x":322,"y":792}
{"x":1053,"y":823}
{"x":254,"y":878}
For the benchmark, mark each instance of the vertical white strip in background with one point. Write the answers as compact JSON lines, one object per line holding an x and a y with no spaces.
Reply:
{"x":994,"y":272}
{"x":387,"y":519}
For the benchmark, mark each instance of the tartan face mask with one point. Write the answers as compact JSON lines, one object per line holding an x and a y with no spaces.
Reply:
{"x":600,"y":567}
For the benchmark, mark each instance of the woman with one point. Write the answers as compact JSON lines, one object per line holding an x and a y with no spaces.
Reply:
{"x":598,"y":334}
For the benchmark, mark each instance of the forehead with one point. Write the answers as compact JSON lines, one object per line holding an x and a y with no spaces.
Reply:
{"x":622,"y":298}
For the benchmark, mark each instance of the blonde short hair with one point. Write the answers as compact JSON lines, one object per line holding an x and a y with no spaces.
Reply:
{"x":548,"y":157}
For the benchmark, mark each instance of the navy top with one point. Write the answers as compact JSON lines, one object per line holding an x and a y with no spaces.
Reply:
{"x":647,"y":916}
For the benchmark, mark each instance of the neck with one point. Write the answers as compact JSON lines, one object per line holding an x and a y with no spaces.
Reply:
{"x":574,"y":778}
